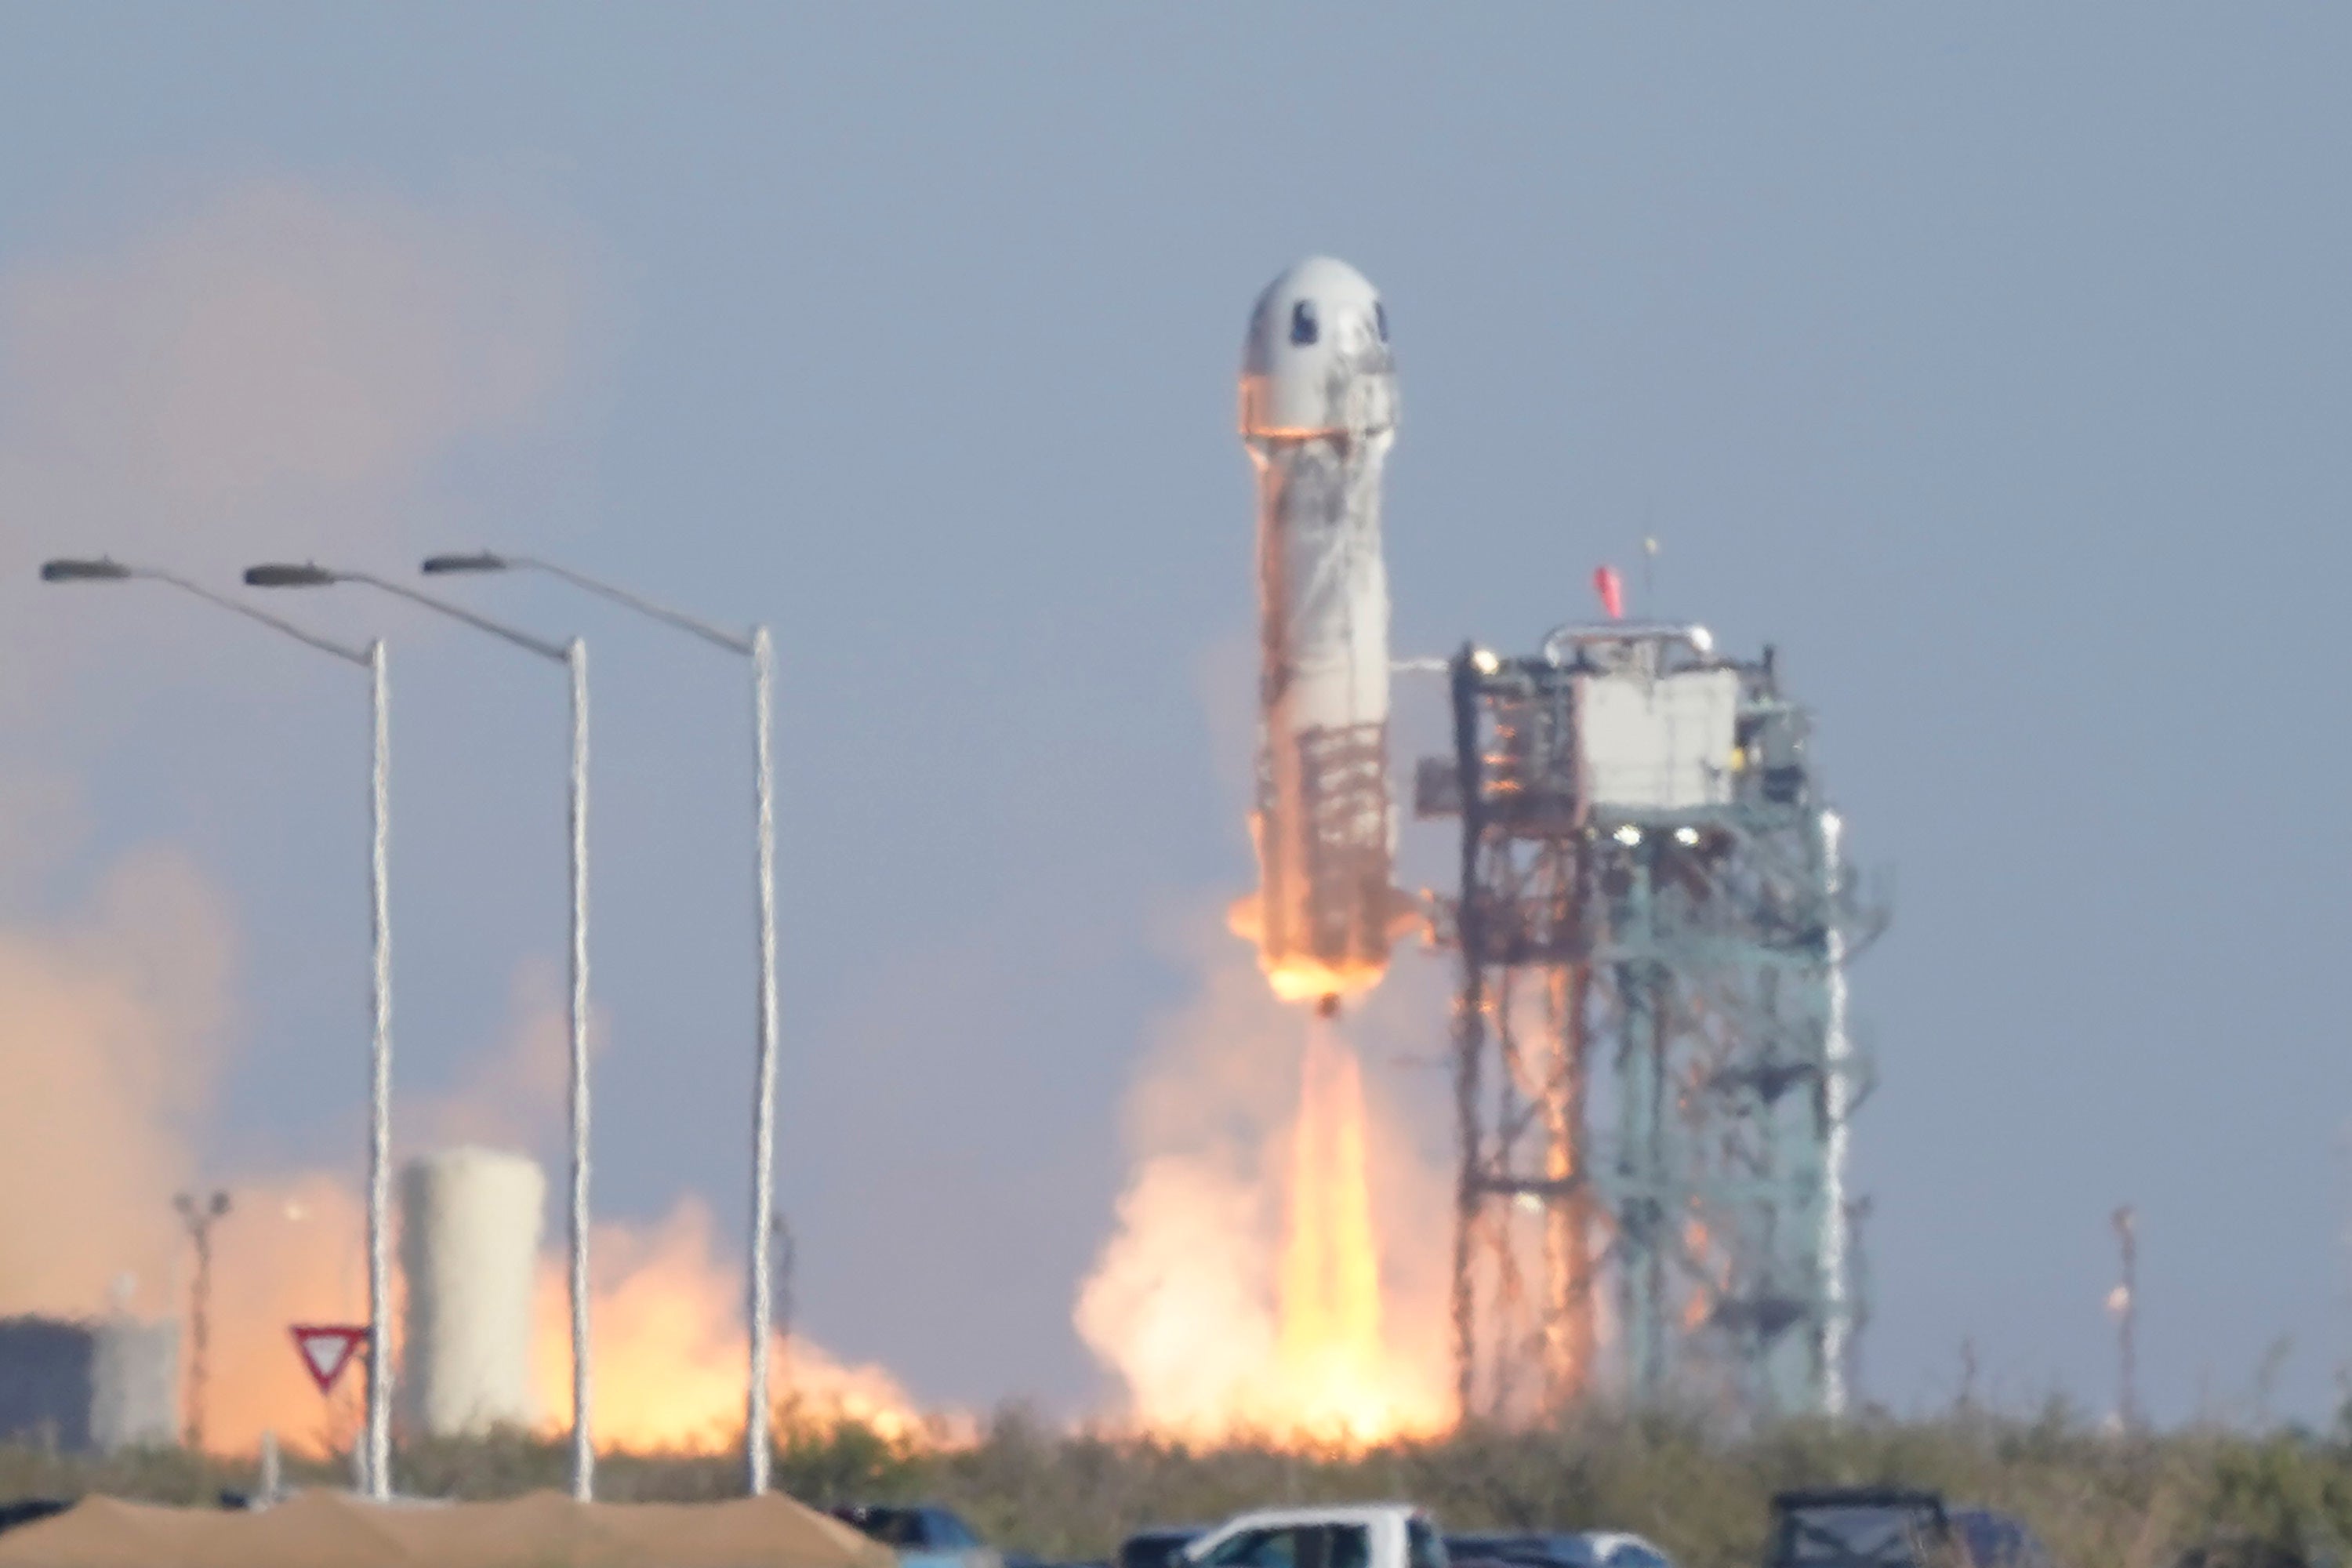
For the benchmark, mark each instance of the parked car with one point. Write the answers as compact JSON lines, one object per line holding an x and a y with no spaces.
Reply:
{"x":1376,"y":1535}
{"x":1894,"y":1527}
{"x":2239,"y":1551}
{"x":1158,"y":1547}
{"x":1555,"y":1549}
{"x":1997,"y":1541}
{"x":1858,"y":1527}
{"x":923,"y":1537}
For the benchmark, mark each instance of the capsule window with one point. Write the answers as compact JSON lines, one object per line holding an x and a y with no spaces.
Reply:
{"x":1303,"y":330}
{"x":1380,"y":318}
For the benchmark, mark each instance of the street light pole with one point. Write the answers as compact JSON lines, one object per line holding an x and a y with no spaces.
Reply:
{"x":584,"y":1446}
{"x":378,"y":1473}
{"x":573,"y":657}
{"x":760,"y":1405}
{"x":377,"y":1462}
{"x":757,"y":646}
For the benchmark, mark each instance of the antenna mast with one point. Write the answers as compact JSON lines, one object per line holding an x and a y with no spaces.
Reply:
{"x":2124,"y":1303}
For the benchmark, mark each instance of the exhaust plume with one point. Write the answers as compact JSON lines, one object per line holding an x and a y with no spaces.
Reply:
{"x":670,"y":1348}
{"x":1272,"y":1271}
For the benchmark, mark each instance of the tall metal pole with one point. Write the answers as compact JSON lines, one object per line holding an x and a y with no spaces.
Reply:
{"x":1569,"y":1335}
{"x":199,"y":1333}
{"x":1663,"y":1166}
{"x":379,"y":1362}
{"x":759,"y":1408}
{"x":375,"y":1453}
{"x":1469,"y":1026}
{"x":2125,"y":1299}
{"x":583,"y":1447}
{"x":1837,"y":1109}
{"x":574,"y":656}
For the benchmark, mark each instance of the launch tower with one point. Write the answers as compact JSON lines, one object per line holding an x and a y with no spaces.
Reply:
{"x":1653,"y":1068}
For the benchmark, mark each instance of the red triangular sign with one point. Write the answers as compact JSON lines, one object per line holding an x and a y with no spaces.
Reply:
{"x":326,"y":1349}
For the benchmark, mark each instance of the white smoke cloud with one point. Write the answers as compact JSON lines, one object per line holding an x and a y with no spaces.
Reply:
{"x":280,"y":362}
{"x":1181,"y":1300}
{"x":515,"y":1094}
{"x":110,"y":1022}
{"x":276,"y":368}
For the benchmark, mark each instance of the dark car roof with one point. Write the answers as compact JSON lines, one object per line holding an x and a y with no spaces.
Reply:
{"x":1997,"y":1540}
{"x":889,"y":1522}
{"x":1858,"y":1497}
{"x":1505,"y":1542}
{"x":1160,"y":1546}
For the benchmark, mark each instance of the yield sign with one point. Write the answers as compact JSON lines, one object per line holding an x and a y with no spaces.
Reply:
{"x":327,"y":1349}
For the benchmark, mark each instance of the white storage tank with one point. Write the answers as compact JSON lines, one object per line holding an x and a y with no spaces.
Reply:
{"x":82,"y":1387}
{"x":134,"y":1374}
{"x":470,"y":1222}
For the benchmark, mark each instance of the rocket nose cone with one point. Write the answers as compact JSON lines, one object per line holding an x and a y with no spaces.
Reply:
{"x":1323,"y":276}
{"x":1318,"y":326}
{"x":1318,"y":303}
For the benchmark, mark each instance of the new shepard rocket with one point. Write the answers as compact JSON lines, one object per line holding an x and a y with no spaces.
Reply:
{"x":1318,"y":409}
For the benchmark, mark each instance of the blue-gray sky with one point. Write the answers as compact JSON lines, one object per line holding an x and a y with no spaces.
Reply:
{"x":1992,"y":363}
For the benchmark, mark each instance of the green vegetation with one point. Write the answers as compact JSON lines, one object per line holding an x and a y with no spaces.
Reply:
{"x":2097,"y":1499}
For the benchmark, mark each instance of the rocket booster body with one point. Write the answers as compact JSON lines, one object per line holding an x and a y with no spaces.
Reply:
{"x":1318,"y":411}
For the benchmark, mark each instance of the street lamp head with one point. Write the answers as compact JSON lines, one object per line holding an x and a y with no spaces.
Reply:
{"x":105,"y":569}
{"x":212,"y":1208}
{"x":284,"y":575}
{"x":480,"y":560}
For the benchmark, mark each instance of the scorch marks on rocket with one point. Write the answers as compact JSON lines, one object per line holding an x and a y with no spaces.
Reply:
{"x":1319,"y":410}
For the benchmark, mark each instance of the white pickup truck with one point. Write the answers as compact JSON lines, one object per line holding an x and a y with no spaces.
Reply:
{"x":1373,"y":1535}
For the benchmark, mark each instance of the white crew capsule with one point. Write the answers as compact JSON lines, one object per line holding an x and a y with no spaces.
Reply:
{"x":1318,"y":409}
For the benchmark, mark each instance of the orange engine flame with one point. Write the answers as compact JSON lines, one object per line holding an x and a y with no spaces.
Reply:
{"x":1248,"y":1291}
{"x":671,"y":1349}
{"x":667,"y":1318}
{"x":1334,"y":1368}
{"x":1299,"y":976}
{"x":1296,"y":978}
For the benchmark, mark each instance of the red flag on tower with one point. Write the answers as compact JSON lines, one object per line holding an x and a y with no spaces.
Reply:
{"x":1612,"y":589}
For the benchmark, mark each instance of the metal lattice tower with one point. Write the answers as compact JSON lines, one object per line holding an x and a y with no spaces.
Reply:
{"x":1653,"y":1068}
{"x":197,"y":1218}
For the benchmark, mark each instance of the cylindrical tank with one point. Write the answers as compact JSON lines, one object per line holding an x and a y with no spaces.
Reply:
{"x":1318,"y":409}
{"x":135,"y":1377}
{"x":469,"y":1236}
{"x":90,"y":1386}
